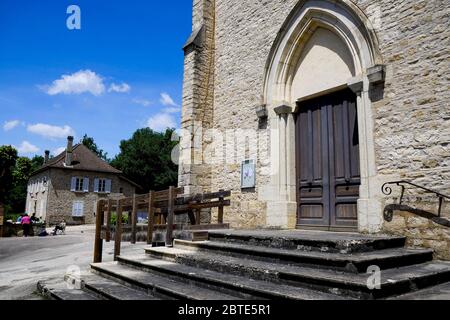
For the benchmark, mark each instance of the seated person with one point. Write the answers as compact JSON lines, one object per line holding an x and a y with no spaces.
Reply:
{"x":43,"y":232}
{"x":34,"y":219}
{"x":60,"y":227}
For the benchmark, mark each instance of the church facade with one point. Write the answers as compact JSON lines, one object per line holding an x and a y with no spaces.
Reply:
{"x":305,"y":109}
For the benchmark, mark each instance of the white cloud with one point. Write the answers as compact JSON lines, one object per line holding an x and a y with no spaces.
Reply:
{"x":49,"y":131}
{"x":77,"y":83}
{"x":26,"y":148}
{"x":172,"y":110}
{"x":167,"y":100}
{"x":58,"y":151}
{"x":161,"y":121}
{"x":120,"y":88}
{"x":142,"y":102}
{"x":9,"y":125}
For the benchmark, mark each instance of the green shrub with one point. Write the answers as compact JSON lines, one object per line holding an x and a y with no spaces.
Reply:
{"x":12,"y":216}
{"x":114,"y":218}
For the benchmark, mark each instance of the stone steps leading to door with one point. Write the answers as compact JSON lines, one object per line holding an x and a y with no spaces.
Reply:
{"x":244,"y":287}
{"x":266,"y":264}
{"x":394,"y":281}
{"x":356,"y":262}
{"x":337,"y":242}
{"x":157,"y":284}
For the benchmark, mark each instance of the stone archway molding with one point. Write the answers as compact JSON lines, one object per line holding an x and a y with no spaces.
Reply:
{"x":353,"y":27}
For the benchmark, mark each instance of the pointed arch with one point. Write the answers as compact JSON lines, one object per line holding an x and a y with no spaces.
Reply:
{"x":354,"y":32}
{"x":342,"y":18}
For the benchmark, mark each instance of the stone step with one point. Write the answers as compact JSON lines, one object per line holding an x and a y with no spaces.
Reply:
{"x":60,"y":291}
{"x":393,"y":281}
{"x":339,"y":242}
{"x":241,"y":286}
{"x":112,"y":290}
{"x":439,"y":292}
{"x":158,"y":285}
{"x":356,"y":262}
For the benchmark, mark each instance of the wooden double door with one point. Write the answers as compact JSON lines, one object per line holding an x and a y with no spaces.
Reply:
{"x":327,"y":156}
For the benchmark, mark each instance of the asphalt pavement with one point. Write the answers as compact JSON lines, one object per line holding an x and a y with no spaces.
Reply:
{"x":25,"y":261}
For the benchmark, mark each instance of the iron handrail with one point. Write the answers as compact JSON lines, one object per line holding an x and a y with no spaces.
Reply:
{"x":401,"y":183}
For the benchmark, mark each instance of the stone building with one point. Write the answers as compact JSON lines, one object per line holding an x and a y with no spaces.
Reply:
{"x":330,"y":100}
{"x":69,"y":186}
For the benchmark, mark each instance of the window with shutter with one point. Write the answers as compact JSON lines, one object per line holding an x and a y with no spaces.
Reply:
{"x":78,"y":209}
{"x":96,"y":185}
{"x":108,"y":186}
{"x":86,"y":184}
{"x":73,"y":184}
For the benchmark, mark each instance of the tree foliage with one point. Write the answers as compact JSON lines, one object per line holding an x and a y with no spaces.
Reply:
{"x":146,"y":159}
{"x":14,"y":180}
{"x":91,"y":145}
{"x":8,"y":158}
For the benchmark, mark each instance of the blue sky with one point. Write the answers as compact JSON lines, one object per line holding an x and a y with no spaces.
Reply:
{"x":122,"y":71}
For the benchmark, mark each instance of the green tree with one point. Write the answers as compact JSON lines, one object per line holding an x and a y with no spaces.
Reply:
{"x":15,"y":173}
{"x":8,"y":158}
{"x":91,"y":145}
{"x":146,"y":159}
{"x":37,"y":162}
{"x":18,"y":192}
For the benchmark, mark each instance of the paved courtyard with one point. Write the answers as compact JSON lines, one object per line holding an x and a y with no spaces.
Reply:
{"x":25,"y":261}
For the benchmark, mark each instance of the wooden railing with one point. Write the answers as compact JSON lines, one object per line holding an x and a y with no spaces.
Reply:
{"x":161,"y":208}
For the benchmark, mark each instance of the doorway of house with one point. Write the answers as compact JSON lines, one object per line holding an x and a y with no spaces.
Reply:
{"x":327,"y":161}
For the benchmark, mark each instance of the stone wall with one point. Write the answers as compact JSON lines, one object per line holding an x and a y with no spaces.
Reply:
{"x":411,"y":115}
{"x":198,"y":90}
{"x":60,"y":198}
{"x":421,"y":232}
{"x":37,"y":200}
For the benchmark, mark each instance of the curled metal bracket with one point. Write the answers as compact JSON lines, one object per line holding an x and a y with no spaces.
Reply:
{"x":387,"y":190}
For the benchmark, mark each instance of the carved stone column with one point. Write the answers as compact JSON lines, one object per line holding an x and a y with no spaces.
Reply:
{"x":369,"y":203}
{"x":282,"y":208}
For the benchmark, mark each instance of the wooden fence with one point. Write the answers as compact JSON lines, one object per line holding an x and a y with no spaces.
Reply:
{"x":161,"y":208}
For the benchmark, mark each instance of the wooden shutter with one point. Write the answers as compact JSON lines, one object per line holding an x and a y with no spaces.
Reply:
{"x":73,"y":184}
{"x":75,"y":209}
{"x":96,"y":183}
{"x":86,"y":184}
{"x":78,"y":209}
{"x":81,"y":208}
{"x":108,"y":186}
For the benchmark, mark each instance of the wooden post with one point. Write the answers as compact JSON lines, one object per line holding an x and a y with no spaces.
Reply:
{"x":108,"y":221}
{"x":151,"y":218}
{"x":133,"y":220}
{"x":198,"y":216}
{"x":98,"y":242}
{"x":220,"y":215}
{"x":170,"y":214}
{"x":118,"y":233}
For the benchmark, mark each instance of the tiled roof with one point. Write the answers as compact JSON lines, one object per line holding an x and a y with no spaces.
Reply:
{"x":83,"y":159}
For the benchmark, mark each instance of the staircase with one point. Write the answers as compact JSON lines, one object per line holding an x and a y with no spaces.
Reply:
{"x":300,"y":265}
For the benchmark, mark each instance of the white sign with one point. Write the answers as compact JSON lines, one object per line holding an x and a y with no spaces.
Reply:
{"x":248,"y":174}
